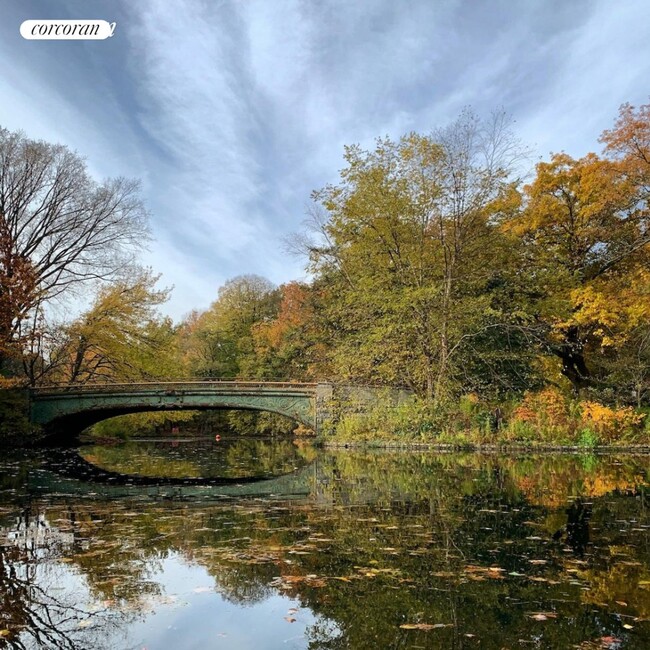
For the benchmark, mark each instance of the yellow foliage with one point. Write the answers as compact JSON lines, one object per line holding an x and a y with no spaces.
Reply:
{"x":607,"y":422}
{"x":7,"y":383}
{"x":618,"y":582}
{"x":612,"y":310}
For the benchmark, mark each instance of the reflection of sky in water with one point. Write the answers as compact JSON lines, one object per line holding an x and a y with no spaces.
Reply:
{"x":187,"y":612}
{"x":191,"y":615}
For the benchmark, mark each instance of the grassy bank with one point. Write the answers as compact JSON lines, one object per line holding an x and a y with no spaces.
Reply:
{"x":544,"y":419}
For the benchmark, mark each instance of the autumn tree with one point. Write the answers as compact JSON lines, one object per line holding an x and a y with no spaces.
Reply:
{"x":585,"y":250}
{"x":120,"y":338}
{"x":292,"y":345}
{"x":59,"y":228}
{"x":219,"y":342}
{"x":410,"y":249}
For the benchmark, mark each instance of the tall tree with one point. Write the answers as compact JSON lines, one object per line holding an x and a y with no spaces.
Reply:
{"x":219,"y":342}
{"x":58,"y":228}
{"x":410,"y":246}
{"x":585,"y":249}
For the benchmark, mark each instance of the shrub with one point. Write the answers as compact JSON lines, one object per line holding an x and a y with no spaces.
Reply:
{"x":588,"y":438}
{"x":548,"y":412}
{"x":610,"y":424}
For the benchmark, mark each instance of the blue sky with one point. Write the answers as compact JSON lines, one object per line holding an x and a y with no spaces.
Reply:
{"x":232,"y":111}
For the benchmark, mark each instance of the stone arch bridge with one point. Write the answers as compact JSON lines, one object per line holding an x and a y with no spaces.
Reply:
{"x":65,"y":409}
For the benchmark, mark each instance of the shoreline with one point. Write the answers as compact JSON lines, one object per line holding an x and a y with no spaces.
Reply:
{"x":488,"y":448}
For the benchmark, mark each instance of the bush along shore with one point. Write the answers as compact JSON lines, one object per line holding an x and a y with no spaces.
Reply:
{"x":546,"y":419}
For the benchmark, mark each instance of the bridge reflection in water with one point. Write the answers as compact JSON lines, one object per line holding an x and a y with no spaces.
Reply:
{"x":65,"y":473}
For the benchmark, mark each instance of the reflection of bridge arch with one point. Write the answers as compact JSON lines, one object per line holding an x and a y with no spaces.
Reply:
{"x":66,"y":410}
{"x":69,"y":463}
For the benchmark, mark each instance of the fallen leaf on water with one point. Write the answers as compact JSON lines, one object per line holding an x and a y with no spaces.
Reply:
{"x":424,"y":626}
{"x":5,"y":632}
{"x":286,"y":582}
{"x":627,"y":626}
{"x":480,"y":573}
{"x":542,"y":616}
{"x":289,"y":619}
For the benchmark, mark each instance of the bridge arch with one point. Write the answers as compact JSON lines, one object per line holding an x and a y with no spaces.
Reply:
{"x":64,"y":411}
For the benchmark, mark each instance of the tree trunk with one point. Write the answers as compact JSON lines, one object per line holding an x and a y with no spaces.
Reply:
{"x":444,"y":336}
{"x":574,"y":366}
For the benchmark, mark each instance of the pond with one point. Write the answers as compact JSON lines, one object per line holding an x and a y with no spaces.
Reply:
{"x":306,"y":548}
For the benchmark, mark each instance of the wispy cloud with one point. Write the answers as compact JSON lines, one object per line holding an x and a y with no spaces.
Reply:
{"x":232,"y":112}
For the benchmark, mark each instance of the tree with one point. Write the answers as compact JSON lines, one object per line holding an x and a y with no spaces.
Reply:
{"x":410,"y":250}
{"x":292,"y":345}
{"x":585,"y":250}
{"x":219,"y":342}
{"x":58,"y":228}
{"x":121,"y":337}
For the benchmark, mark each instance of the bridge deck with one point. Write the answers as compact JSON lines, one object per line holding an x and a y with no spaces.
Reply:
{"x":58,"y":389}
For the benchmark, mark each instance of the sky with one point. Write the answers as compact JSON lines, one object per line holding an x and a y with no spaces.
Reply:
{"x":231,"y":112}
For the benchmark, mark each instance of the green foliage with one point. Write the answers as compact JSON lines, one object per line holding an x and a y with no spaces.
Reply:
{"x":545,"y":418}
{"x":138,"y":424}
{"x":219,"y":342}
{"x":410,"y":272}
{"x":408,"y":421}
{"x":588,"y":438}
{"x":15,"y":428}
{"x":259,"y":422}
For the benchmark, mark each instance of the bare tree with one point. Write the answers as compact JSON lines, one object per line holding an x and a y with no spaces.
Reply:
{"x":58,"y":228}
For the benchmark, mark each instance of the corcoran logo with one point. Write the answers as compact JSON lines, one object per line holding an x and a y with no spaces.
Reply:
{"x":66,"y":29}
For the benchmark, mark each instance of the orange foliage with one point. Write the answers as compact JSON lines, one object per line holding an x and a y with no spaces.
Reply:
{"x":630,"y":137}
{"x":548,"y":408}
{"x":293,"y":313}
{"x":607,"y":422}
{"x":18,"y":283}
{"x":552,"y":484}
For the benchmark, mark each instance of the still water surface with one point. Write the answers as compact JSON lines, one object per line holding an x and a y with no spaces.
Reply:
{"x":321,"y":550}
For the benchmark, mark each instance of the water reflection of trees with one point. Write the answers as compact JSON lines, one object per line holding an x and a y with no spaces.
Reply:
{"x":388,"y":540}
{"x":227,"y":458}
{"x":35,"y":611}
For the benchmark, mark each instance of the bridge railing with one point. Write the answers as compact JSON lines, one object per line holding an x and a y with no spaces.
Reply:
{"x":180,"y":384}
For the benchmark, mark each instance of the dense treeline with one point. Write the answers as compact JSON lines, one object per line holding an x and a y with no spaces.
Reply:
{"x":433,"y":265}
